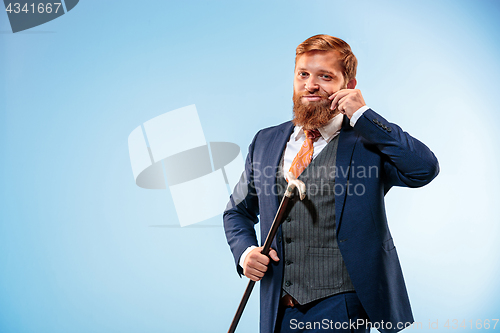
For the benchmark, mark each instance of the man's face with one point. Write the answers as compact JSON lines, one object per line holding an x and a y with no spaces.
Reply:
{"x":318,"y":74}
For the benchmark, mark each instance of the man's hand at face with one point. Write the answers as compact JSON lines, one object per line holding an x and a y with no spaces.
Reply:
{"x":347,"y":101}
{"x":255,"y":264}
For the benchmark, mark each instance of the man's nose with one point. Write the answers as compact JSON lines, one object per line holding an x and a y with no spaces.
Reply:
{"x":312,"y":85}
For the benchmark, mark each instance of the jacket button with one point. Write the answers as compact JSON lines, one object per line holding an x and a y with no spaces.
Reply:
{"x":288,"y":283}
{"x":389,"y":129}
{"x":288,"y":240}
{"x":288,"y":262}
{"x":288,"y":219}
{"x":279,"y":239}
{"x":375,"y":121}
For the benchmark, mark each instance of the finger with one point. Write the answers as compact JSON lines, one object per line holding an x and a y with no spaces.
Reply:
{"x":341,"y":107}
{"x":333,"y":106}
{"x":253,"y":278}
{"x":342,"y":103}
{"x":339,"y":92}
{"x":256,"y":255}
{"x":274,"y":255}
{"x":338,"y":95}
{"x":257,"y":266}
{"x":254,"y":272}
{"x":332,"y":96}
{"x":262,"y":259}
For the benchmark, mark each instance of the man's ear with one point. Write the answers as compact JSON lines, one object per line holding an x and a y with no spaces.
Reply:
{"x":352,"y":84}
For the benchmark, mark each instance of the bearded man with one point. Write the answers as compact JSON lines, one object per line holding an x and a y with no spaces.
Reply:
{"x":333,"y":265}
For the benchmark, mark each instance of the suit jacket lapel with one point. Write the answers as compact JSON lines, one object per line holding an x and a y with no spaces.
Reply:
{"x":276,"y":148}
{"x":347,"y":141}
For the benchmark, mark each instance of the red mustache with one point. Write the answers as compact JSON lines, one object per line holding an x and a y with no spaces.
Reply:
{"x":317,"y":93}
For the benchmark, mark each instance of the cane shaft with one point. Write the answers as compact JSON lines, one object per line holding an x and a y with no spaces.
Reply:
{"x":241,"y":307}
{"x":274,"y":227}
{"x":265,"y":250}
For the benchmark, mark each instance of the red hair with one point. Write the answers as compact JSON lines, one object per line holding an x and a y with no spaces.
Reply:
{"x":329,"y":43}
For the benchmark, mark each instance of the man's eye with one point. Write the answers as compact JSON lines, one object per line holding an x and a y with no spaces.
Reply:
{"x":302,"y":74}
{"x":326,"y":77}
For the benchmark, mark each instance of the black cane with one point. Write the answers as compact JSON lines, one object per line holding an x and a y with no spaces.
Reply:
{"x":278,"y":219}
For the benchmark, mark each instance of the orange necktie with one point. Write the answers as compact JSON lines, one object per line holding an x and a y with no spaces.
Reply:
{"x":304,"y":156}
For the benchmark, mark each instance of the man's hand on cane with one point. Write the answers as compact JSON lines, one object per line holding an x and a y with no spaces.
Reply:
{"x":255,"y":264}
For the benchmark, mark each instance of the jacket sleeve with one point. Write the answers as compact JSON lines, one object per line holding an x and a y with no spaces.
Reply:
{"x":242,"y":212}
{"x":408,"y":161}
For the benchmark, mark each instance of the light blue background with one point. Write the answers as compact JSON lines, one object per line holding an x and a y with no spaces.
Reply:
{"x":80,"y":246}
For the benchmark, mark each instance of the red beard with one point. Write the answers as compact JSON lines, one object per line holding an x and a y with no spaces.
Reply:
{"x":313,"y":114}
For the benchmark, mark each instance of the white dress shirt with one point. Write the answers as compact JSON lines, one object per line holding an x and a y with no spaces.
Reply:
{"x":328,"y":132}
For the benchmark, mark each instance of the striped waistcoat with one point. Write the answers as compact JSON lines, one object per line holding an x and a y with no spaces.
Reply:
{"x":313,"y":265}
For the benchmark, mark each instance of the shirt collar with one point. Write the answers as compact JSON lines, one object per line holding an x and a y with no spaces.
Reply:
{"x":328,"y":132}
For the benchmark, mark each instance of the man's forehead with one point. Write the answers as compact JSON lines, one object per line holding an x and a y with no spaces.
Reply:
{"x":333,"y":57}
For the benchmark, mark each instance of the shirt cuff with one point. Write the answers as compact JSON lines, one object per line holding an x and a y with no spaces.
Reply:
{"x":244,"y":254}
{"x":358,"y":114}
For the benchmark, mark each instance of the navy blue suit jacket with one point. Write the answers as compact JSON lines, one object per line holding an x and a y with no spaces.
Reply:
{"x":389,"y":157}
